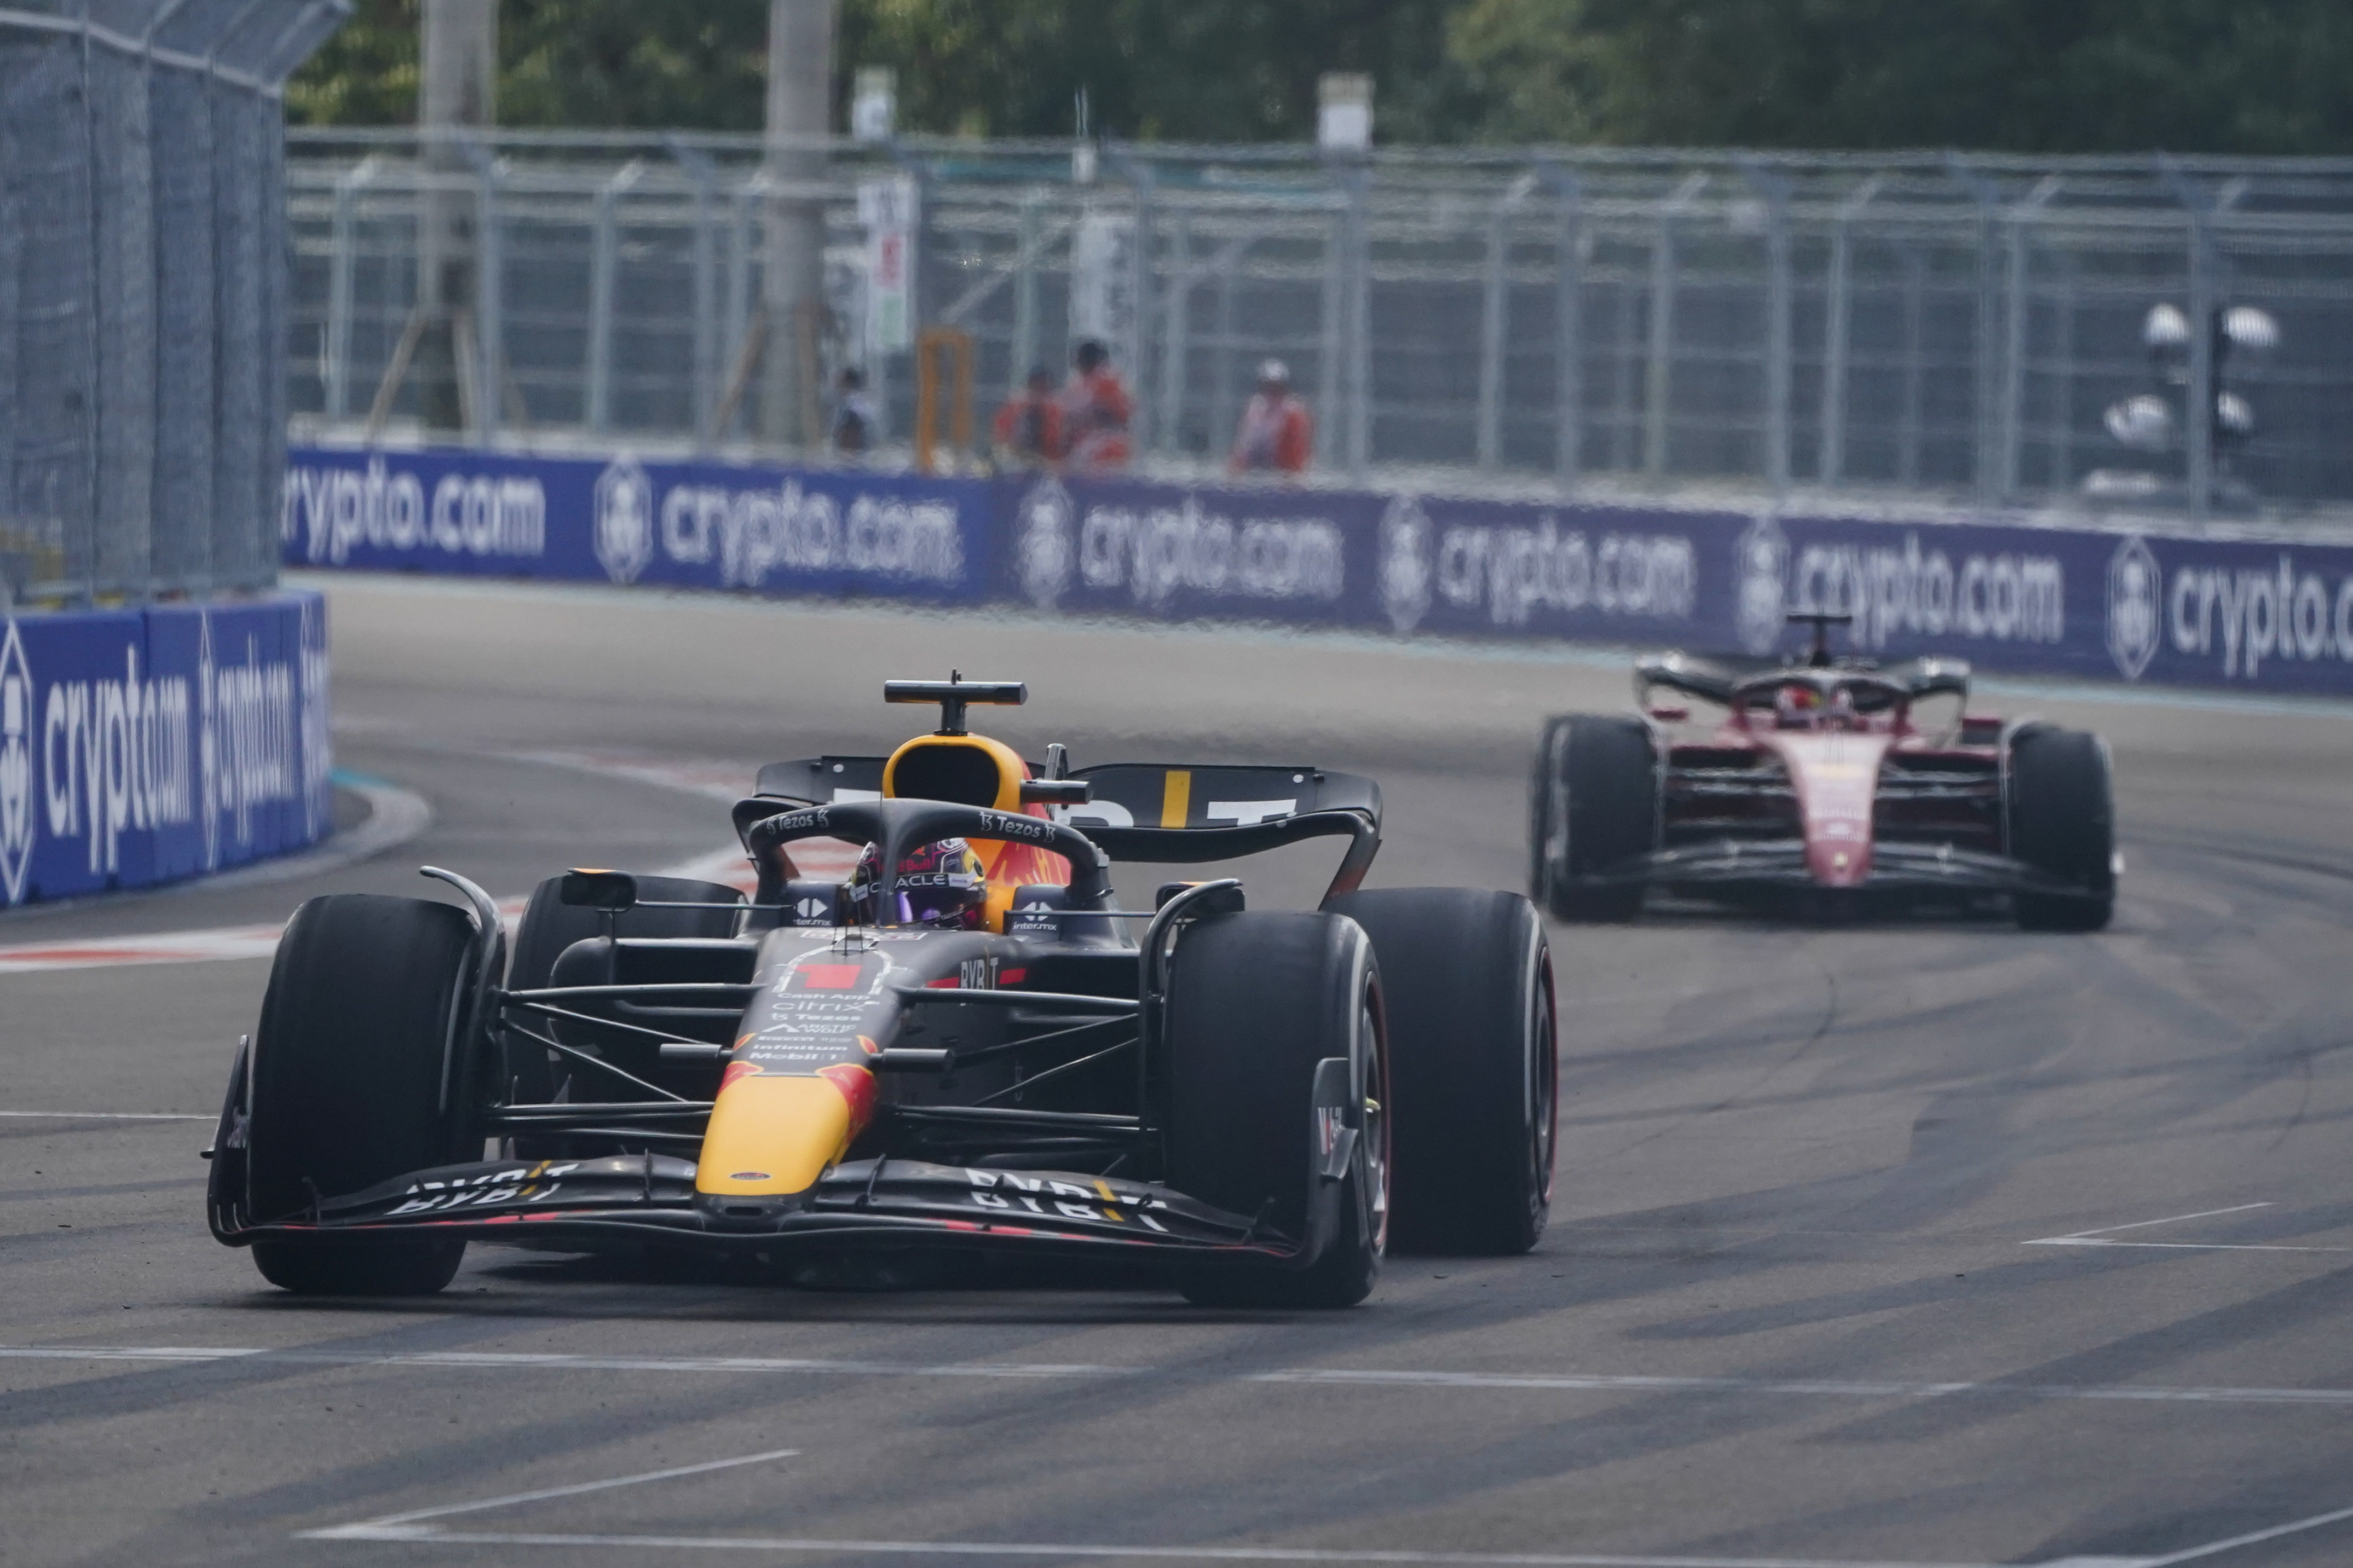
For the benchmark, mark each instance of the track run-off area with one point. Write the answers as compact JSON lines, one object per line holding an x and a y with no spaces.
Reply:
{"x":1929,"y":1243}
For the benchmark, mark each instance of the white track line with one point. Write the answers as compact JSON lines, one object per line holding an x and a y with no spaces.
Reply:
{"x":1054,"y":1548}
{"x":2100,"y":1237}
{"x":1328,"y":1378}
{"x":411,"y":1528}
{"x":106,"y":1116}
{"x":574,"y":1490}
{"x":2145,"y":1224}
{"x":2252,"y":1538}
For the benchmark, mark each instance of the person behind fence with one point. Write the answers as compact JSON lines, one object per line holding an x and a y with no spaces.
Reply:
{"x":1029,"y":428}
{"x":853,"y":413}
{"x":1276,"y":433}
{"x":1095,"y":411}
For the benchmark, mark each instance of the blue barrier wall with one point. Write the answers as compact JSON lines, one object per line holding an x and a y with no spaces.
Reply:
{"x":141,"y":746}
{"x":2157,"y":604}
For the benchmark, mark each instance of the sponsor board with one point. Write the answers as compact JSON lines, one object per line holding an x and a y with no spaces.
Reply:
{"x":2087,"y":602}
{"x":618,"y":520}
{"x":139,"y":746}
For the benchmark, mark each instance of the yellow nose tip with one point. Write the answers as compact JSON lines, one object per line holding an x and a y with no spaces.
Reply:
{"x":771,"y":1134}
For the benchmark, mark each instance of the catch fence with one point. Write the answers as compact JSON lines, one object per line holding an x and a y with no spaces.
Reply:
{"x":143,"y":293}
{"x":1959,"y":328}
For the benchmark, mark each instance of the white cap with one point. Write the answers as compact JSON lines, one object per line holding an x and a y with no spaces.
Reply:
{"x":1274,"y":370}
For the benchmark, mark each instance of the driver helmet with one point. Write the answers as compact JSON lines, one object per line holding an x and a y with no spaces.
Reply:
{"x":940,"y":884}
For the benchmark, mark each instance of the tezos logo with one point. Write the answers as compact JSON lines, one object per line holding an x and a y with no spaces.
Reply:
{"x":625,"y":520}
{"x":1042,"y":552}
{"x":1405,"y":563}
{"x":2132,"y":582}
{"x":1760,"y":574}
{"x":16,"y":765}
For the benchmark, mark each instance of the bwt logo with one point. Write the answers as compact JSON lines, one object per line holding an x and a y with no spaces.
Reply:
{"x":333,"y":510}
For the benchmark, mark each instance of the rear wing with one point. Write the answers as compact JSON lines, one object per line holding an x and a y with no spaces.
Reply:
{"x":1160,"y":812}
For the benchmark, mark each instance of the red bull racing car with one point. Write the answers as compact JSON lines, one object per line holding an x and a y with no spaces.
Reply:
{"x":1824,"y":781}
{"x":967,"y":1046}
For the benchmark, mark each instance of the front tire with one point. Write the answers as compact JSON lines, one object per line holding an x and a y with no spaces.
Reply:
{"x":2063,"y":822}
{"x":346,"y":1085}
{"x":1466,"y":978}
{"x":1593,"y":803}
{"x":1258,"y":1001}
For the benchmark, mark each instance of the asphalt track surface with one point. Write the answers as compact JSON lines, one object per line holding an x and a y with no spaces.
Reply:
{"x":1867,"y":1243}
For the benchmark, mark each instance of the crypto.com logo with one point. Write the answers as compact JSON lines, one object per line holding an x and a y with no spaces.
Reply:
{"x":2134,"y":619}
{"x":1043,"y":553}
{"x":1405,"y":563}
{"x":16,"y":765}
{"x":1761,"y":572}
{"x":624,"y":520}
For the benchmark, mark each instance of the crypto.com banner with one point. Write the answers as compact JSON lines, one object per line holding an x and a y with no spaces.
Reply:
{"x":142,"y":746}
{"x":705,"y":525}
{"x":2089,"y":602}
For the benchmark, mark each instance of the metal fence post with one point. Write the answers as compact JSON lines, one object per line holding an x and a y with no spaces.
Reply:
{"x":2198,"y":418}
{"x":597,"y":373}
{"x":1494,"y":307}
{"x":702,"y":395}
{"x":340,"y":267}
{"x":1908,"y":429}
{"x":1175,"y":344}
{"x":1830,"y":465}
{"x":1568,"y":333}
{"x":1332,"y":381}
{"x":1359,"y":343}
{"x":1775,"y":188}
{"x":1221,"y":386}
{"x":490,"y":299}
{"x":2013,"y":360}
{"x":1024,"y":290}
{"x":738,"y":326}
{"x":2063,"y":373}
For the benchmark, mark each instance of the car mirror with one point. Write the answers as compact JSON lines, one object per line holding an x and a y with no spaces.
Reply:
{"x":611,"y":891}
{"x":1056,"y":792}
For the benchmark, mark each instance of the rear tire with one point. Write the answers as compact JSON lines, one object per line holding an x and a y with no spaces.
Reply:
{"x":2063,"y":822}
{"x":1257,"y":999}
{"x":1593,"y":802}
{"x":1467,"y":985}
{"x":346,"y":1085}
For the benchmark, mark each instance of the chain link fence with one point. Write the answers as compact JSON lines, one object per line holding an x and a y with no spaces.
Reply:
{"x":1943,"y":327}
{"x":143,"y":293}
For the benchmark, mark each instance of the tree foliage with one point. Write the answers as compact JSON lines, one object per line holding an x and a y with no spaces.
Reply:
{"x":2255,"y":76}
{"x":2250,"y":75}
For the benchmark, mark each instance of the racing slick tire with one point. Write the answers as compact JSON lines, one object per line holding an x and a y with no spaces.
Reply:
{"x":346,"y":1084}
{"x":1593,"y":801}
{"x":550,"y":925}
{"x":2063,"y":822}
{"x":1467,"y":986}
{"x":1257,"y":999}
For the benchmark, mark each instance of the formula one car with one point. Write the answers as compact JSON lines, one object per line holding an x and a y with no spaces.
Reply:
{"x":1818,"y":782}
{"x":963,"y":1048}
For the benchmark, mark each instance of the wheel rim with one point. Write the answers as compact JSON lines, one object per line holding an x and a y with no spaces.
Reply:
{"x":1375,"y":1141}
{"x":1544,"y":1081}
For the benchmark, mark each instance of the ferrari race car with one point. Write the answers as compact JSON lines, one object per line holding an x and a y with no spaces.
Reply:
{"x":967,"y":1046}
{"x":1819,"y":783}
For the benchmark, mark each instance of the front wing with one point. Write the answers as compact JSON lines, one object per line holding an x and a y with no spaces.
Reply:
{"x":1897,"y":867}
{"x":897,"y":1203}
